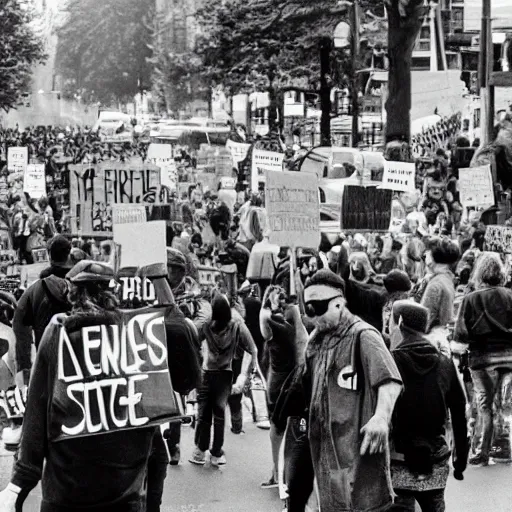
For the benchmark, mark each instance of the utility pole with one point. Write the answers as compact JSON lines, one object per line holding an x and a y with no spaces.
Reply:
{"x":325,"y":92}
{"x":355,"y":61}
{"x":485,"y":66}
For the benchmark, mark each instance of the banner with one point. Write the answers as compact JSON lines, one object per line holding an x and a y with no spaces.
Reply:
{"x":238,"y":151}
{"x":17,"y":159}
{"x":292,"y":204}
{"x":128,"y":213}
{"x":498,"y":239}
{"x":141,"y":243}
{"x":263,"y":161}
{"x":112,"y":377}
{"x":162,"y":156}
{"x":94,"y":188}
{"x":399,"y":176}
{"x":475,"y":187}
{"x":34,"y":181}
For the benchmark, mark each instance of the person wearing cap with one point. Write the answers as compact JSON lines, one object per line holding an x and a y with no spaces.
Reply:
{"x":398,"y":285}
{"x":100,"y":473}
{"x":420,"y":455}
{"x":43,"y":299}
{"x":353,"y":383}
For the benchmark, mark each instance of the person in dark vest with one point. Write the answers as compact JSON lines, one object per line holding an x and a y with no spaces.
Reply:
{"x":352,"y":383}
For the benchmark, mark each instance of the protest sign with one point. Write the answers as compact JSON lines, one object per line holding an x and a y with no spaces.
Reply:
{"x":128,"y":213}
{"x":399,"y":176}
{"x":94,"y":188}
{"x":141,"y":243}
{"x":292,"y":204}
{"x":112,"y":376}
{"x":30,"y":273}
{"x":162,"y":156}
{"x":475,"y":187}
{"x":498,"y":239}
{"x":17,"y":159}
{"x":263,"y":161}
{"x":238,"y":151}
{"x":365,"y":208}
{"x":34,"y":181}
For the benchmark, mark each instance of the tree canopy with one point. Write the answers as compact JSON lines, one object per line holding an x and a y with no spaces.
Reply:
{"x":20,"y":49}
{"x":104,"y":47}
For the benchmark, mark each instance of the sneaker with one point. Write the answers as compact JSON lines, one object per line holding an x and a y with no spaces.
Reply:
{"x":263,"y":425}
{"x":11,"y":437}
{"x":479,"y":460}
{"x":198,"y":457}
{"x":175,"y":456}
{"x":238,"y":432}
{"x":218,"y":461}
{"x":270,"y":484}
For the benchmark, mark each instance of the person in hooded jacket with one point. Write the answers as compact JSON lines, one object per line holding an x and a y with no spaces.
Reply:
{"x":101,"y":473}
{"x":419,"y":455}
{"x":222,"y":336}
{"x":43,"y":299}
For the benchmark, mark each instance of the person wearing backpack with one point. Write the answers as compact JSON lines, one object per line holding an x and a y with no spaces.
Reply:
{"x":39,"y":303}
{"x":37,"y":306}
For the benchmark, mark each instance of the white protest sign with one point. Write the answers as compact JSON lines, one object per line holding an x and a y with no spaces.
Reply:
{"x":17,"y":159}
{"x":128,"y":213}
{"x":238,"y":150}
{"x":162,"y":156}
{"x":34,"y":181}
{"x":263,"y":161}
{"x":399,"y":176}
{"x":475,"y":187}
{"x":498,"y":239}
{"x":292,"y":204}
{"x":141,"y":243}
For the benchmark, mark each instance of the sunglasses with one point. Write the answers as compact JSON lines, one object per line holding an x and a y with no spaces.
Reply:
{"x":315,"y":308}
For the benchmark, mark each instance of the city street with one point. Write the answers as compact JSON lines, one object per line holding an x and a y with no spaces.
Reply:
{"x":236,"y":487}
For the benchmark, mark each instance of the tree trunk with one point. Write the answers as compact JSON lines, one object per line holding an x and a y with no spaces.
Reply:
{"x":325,"y":92}
{"x":402,"y":35}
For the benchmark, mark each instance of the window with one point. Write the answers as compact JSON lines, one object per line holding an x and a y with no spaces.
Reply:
{"x":421,"y":63}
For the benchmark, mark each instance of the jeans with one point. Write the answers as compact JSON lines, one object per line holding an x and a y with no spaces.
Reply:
{"x":486,"y":384}
{"x":235,"y":401}
{"x":157,"y":471}
{"x":298,"y":468}
{"x":212,"y":398}
{"x":429,"y":501}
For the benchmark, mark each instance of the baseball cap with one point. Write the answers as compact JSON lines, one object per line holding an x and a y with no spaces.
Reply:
{"x":87,"y":271}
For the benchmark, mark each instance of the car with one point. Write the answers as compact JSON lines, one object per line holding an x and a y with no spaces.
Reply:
{"x":373,"y":165}
{"x":332,"y":162}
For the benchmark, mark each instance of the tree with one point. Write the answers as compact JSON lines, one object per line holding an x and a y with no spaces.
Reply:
{"x":104,"y":48}
{"x":269,"y":45}
{"x":405,"y":20}
{"x":20,"y":50}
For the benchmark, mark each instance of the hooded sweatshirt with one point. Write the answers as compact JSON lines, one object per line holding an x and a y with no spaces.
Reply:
{"x":221,"y":345}
{"x":36,"y":307}
{"x":431,"y":388}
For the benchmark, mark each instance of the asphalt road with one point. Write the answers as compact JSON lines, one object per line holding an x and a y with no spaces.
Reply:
{"x":235,"y":488}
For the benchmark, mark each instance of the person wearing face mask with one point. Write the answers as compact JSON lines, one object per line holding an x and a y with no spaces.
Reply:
{"x":352,"y":384}
{"x":222,"y":335}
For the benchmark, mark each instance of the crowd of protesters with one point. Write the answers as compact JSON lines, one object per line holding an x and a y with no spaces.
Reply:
{"x":370,"y":346}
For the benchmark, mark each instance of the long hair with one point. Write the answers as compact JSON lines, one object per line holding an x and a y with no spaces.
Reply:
{"x":489,"y":271}
{"x":92,"y":297}
{"x":221,"y":312}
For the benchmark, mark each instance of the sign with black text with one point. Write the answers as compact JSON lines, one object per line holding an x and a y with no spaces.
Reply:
{"x":112,"y":377}
{"x":263,"y":161}
{"x":17,"y":159}
{"x":292,"y":204}
{"x":399,"y":176}
{"x":34,"y":180}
